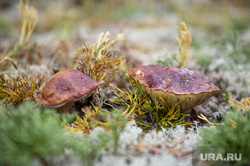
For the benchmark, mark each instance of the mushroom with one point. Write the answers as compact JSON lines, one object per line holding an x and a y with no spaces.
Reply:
{"x":174,"y":85}
{"x":64,"y":88}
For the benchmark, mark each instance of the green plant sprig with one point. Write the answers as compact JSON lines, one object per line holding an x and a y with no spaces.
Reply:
{"x":116,"y":123}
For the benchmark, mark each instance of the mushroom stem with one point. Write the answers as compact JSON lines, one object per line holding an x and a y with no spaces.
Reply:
{"x":65,"y":108}
{"x":186,"y":111}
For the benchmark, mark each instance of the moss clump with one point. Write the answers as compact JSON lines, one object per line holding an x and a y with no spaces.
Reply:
{"x":232,"y":137}
{"x":98,"y":62}
{"x":14,"y":88}
{"x":28,"y":133}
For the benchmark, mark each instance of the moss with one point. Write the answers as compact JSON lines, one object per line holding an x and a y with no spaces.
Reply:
{"x":28,"y":133}
{"x":98,"y":62}
{"x":232,"y":137}
{"x":14,"y":88}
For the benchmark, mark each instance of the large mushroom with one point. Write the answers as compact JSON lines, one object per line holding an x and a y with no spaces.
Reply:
{"x":174,"y":85}
{"x":64,"y":88}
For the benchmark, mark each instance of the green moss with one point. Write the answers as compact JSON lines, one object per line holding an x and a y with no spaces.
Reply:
{"x":28,"y":133}
{"x":232,"y":137}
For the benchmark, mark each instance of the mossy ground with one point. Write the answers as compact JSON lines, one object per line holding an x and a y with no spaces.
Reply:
{"x":219,"y":51}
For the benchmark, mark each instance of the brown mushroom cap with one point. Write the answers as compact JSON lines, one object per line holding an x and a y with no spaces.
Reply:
{"x":67,"y":85}
{"x":174,"y":84}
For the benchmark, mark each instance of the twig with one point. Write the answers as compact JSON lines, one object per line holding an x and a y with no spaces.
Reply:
{"x":142,"y":145}
{"x":9,"y":59}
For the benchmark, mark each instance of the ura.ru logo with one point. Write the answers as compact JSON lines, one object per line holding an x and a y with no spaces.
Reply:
{"x":220,"y":157}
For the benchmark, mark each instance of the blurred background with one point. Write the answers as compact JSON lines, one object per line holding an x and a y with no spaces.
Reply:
{"x":63,"y":15}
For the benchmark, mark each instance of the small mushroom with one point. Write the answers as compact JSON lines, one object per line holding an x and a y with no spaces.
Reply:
{"x":64,"y":88}
{"x":174,"y":85}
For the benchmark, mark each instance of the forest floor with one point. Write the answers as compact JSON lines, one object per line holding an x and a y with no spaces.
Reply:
{"x":219,"y":51}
